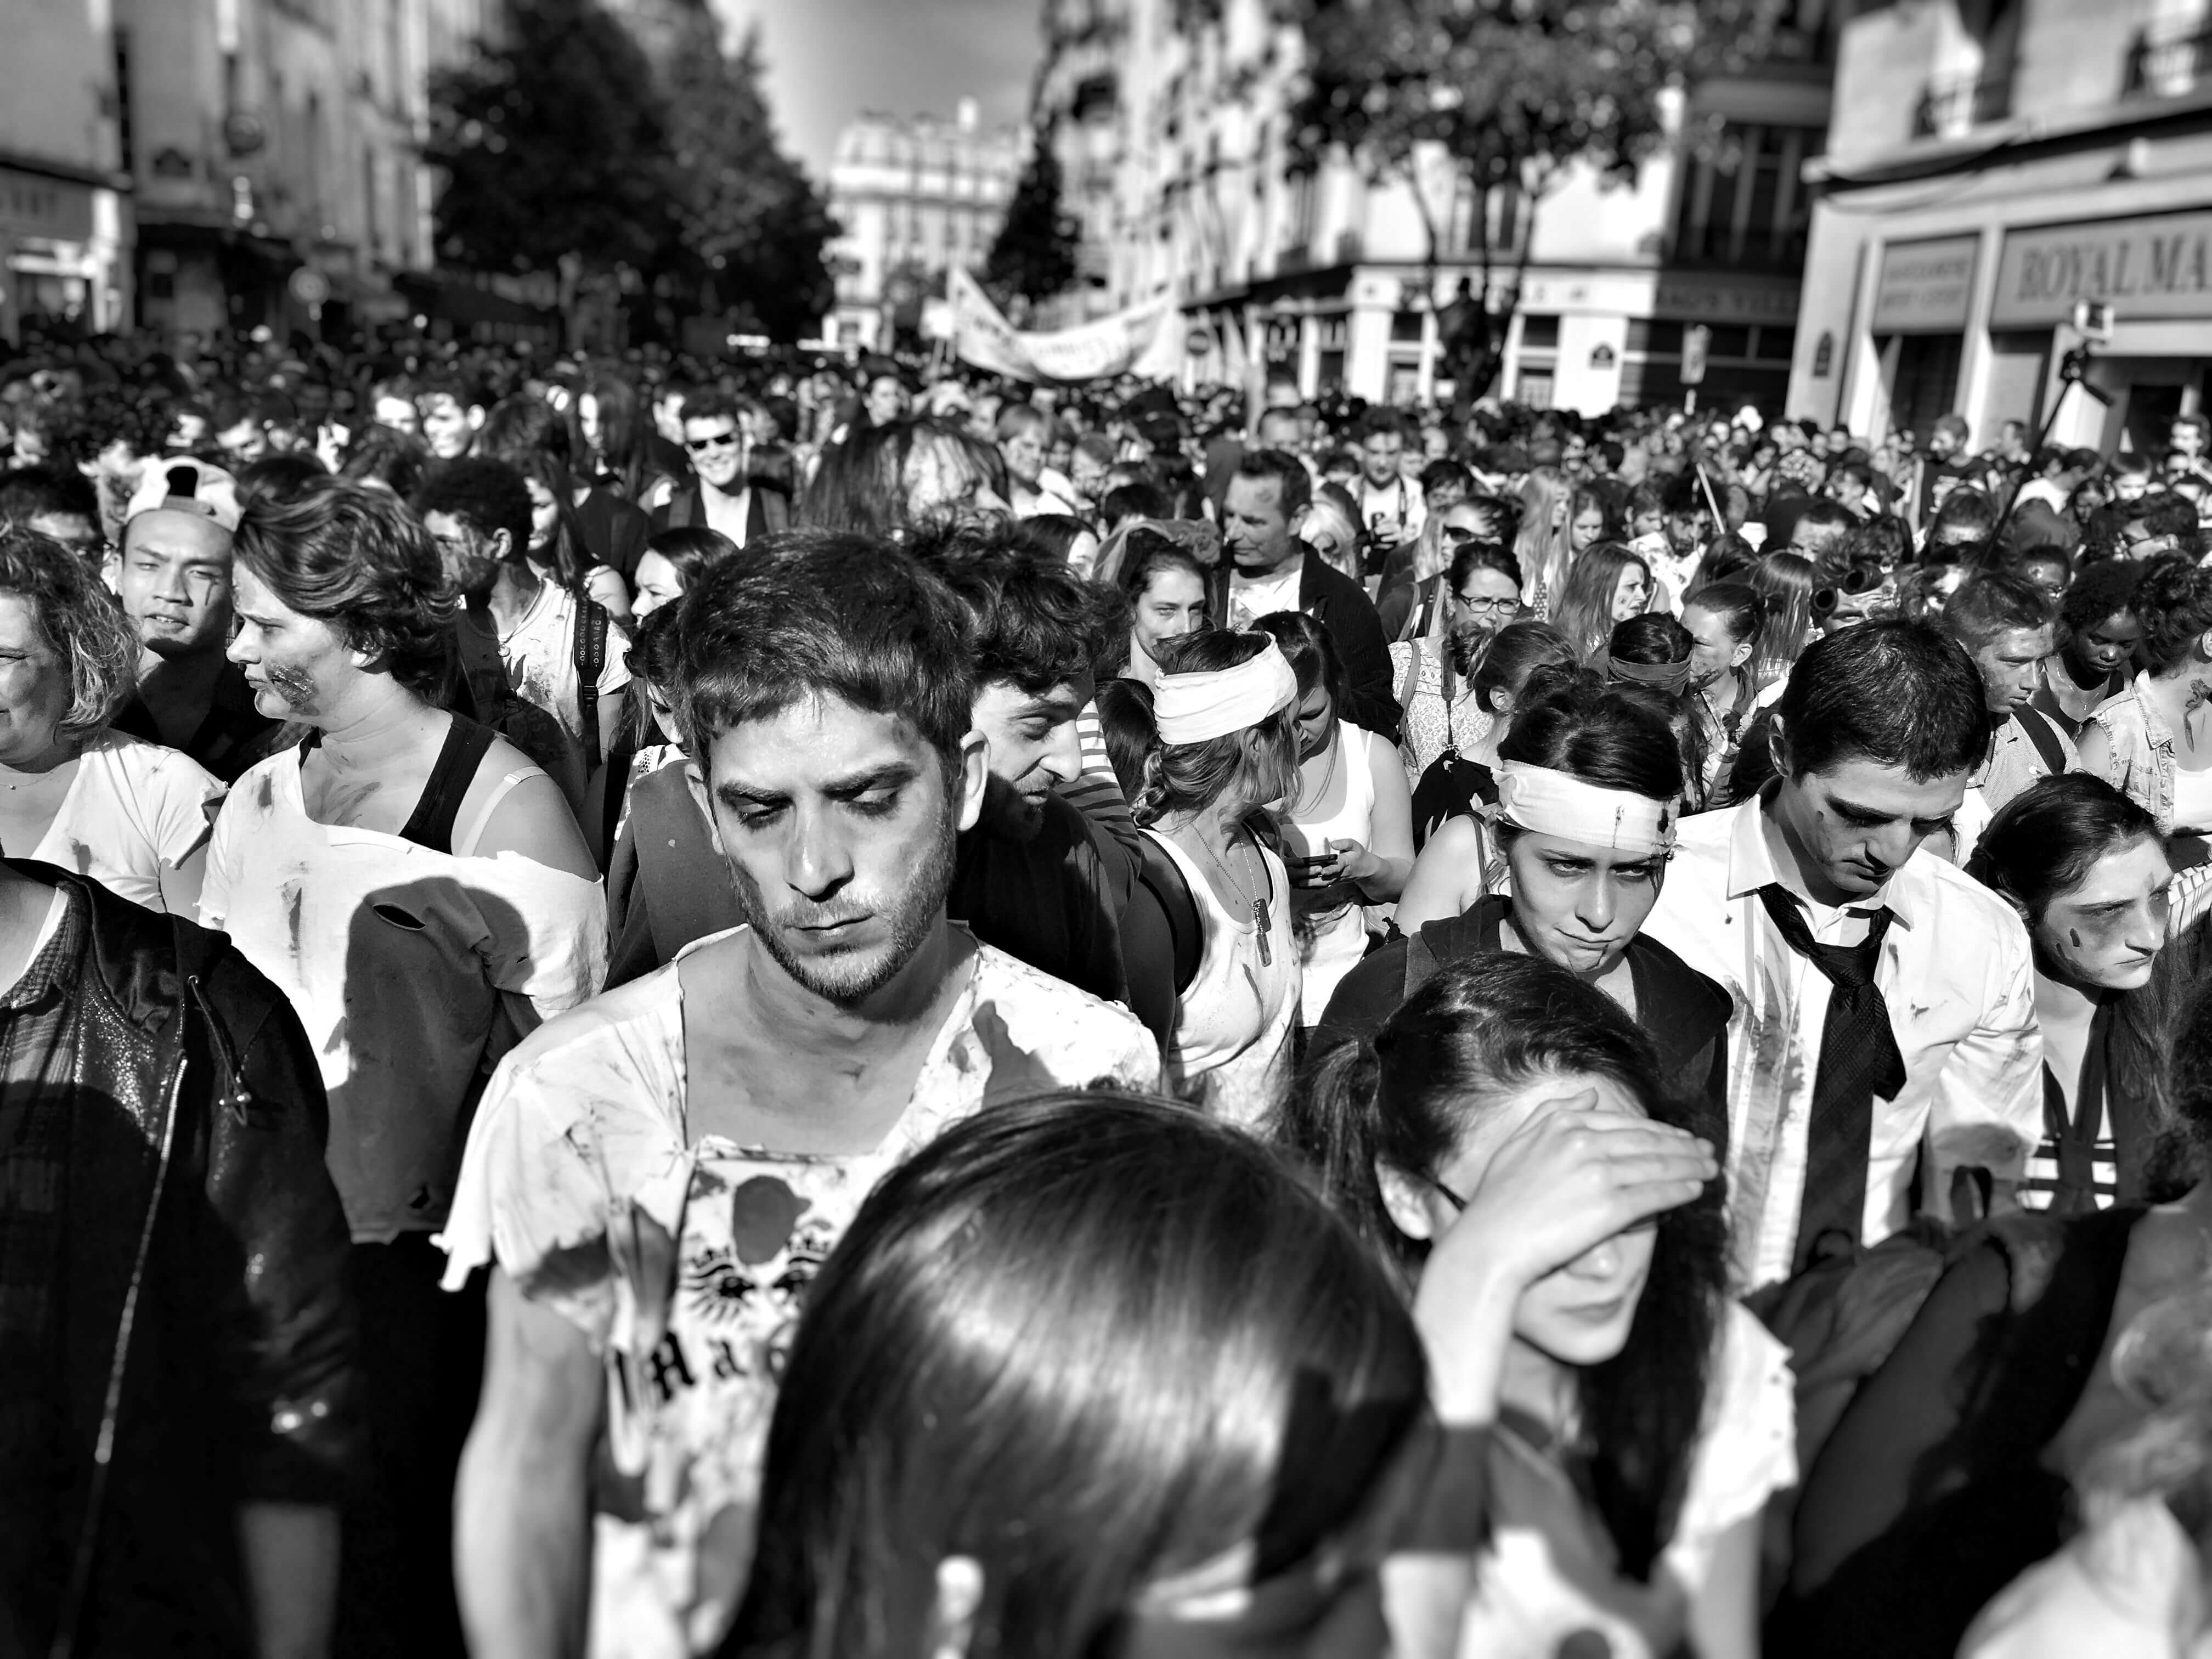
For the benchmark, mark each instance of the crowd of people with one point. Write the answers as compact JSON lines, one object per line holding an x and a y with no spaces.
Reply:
{"x":661,"y":1008}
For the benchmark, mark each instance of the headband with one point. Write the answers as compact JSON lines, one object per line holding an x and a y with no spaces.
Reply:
{"x":1556,"y":804}
{"x":1197,"y":708}
{"x":1668,"y":676}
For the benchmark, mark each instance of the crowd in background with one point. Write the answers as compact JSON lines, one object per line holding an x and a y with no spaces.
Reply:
{"x":788,"y":1006}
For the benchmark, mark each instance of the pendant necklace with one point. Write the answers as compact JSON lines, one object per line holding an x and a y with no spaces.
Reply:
{"x":1262,"y":917}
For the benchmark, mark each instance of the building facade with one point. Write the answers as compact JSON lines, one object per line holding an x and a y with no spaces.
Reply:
{"x":1324,"y":278}
{"x":276,"y":146}
{"x":913,"y":198}
{"x":1992,"y":164}
{"x":64,"y":195}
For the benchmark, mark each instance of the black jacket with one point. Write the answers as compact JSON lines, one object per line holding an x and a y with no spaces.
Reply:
{"x":1684,"y":1013}
{"x":207,"y":1335}
{"x":1341,"y":605}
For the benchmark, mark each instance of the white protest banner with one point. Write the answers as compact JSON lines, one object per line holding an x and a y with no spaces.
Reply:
{"x":984,"y":338}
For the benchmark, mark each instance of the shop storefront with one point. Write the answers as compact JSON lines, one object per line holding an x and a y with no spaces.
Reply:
{"x":61,"y":240}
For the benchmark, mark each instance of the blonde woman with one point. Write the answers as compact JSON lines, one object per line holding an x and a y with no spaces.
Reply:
{"x":1545,"y":550}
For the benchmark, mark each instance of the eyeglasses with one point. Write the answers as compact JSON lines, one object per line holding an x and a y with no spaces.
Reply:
{"x":1459,"y":534}
{"x":714,"y":441}
{"x":1445,"y":1193}
{"x":1503,"y":607}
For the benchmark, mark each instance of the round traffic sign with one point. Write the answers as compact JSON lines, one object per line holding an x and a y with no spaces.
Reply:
{"x":310,"y":287}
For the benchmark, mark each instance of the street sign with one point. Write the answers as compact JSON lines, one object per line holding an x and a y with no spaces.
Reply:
{"x":2093,"y":320}
{"x":1198,"y":341}
{"x":1696,"y":340}
{"x":309,"y":286}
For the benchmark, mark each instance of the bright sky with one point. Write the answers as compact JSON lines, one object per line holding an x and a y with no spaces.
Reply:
{"x":830,"y":59}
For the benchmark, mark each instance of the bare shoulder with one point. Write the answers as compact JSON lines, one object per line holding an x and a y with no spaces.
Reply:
{"x":531,"y":818}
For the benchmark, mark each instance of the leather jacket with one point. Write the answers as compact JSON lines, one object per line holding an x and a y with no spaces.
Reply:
{"x":209,"y":1339}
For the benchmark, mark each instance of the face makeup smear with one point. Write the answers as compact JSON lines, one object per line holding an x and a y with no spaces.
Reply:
{"x":294,"y":685}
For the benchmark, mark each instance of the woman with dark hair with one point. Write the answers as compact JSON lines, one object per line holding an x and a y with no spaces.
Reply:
{"x":1479,"y":594}
{"x":2098,"y":633}
{"x":1226,"y":745}
{"x":1609,"y":585}
{"x":1089,"y":1375}
{"x":2154,"y":740}
{"x":558,"y":550}
{"x":1165,"y":587}
{"x":1723,"y":621}
{"x":419,"y":892}
{"x":2086,"y":869}
{"x":1784,"y":583}
{"x":1644,"y":1419}
{"x":616,"y":437}
{"x":675,"y":561}
{"x":1654,"y":653}
{"x":387,"y":459}
{"x":1347,"y":832}
{"x":1566,"y":868}
{"x":884,"y":478}
{"x":1064,"y":538}
{"x":1730,"y":559}
{"x":1460,"y":782}
{"x":74,"y":793}
{"x":1953,"y":1469}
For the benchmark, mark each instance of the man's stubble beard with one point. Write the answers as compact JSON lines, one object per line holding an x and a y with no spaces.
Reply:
{"x":912,"y":919}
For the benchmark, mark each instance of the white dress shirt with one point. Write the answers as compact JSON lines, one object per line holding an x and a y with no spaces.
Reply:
{"x":1956,"y":976}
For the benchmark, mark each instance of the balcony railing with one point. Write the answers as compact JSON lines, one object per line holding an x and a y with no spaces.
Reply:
{"x":1949,"y":107}
{"x":2162,"y":67}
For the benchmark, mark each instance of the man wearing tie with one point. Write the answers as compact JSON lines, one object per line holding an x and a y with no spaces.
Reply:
{"x":1885,"y":1016}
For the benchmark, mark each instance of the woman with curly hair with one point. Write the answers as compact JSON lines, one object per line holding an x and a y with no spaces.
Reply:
{"x":2152,"y":741}
{"x":133,"y":815}
{"x":420,"y":893}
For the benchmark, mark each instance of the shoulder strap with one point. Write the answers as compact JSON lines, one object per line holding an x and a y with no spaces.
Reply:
{"x":1411,"y":681}
{"x":483,"y":670}
{"x":431,"y":823}
{"x":2043,"y":736}
{"x":1420,"y":962}
{"x":1163,"y":876}
{"x":588,"y":646}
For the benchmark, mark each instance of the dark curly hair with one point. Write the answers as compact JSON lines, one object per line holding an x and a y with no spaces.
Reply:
{"x":355,"y":558}
{"x":2173,"y":602}
{"x":1034,"y":622}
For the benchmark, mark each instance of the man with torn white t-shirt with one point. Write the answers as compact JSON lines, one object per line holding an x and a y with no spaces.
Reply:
{"x":658,"y":1175}
{"x":527,"y":639}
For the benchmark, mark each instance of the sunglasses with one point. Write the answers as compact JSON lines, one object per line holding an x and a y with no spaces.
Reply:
{"x":1458,"y":534}
{"x":717,"y":440}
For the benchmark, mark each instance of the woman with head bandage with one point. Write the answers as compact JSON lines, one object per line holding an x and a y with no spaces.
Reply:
{"x":1566,"y":868}
{"x":1225,"y":713}
{"x":1655,"y":652}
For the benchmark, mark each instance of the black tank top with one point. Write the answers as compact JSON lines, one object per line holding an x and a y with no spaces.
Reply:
{"x":431,"y":823}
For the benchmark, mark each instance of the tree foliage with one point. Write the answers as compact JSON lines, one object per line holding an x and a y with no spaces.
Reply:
{"x":1508,"y":95}
{"x":751,"y":219}
{"x":552,"y":142}
{"x":1034,"y":255}
{"x":568,"y":137}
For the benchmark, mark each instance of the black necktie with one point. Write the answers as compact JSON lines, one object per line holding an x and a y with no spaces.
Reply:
{"x":1858,"y":1061}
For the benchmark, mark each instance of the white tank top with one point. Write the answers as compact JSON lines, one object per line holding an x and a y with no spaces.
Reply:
{"x":1230,"y":1049}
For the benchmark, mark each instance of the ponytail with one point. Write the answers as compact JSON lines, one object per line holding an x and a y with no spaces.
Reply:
{"x":1334,"y":1123}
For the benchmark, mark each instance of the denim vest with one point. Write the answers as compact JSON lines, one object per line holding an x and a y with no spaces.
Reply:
{"x":2139,"y":761}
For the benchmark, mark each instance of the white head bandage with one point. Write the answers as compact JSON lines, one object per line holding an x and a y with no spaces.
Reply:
{"x":1196,"y":707}
{"x":1554,"y":804}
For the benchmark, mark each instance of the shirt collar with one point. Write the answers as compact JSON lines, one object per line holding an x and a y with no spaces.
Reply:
{"x":61,"y":939}
{"x":1753,"y":839}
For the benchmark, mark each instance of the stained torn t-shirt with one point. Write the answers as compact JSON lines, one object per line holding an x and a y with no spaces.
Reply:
{"x":688,"y":1262}
{"x":400,"y":961}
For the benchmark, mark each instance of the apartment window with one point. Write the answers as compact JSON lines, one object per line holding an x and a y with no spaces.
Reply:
{"x":1302,"y":191}
{"x":1501,"y":209}
{"x":1540,"y":333}
{"x":1406,"y":328}
{"x":1744,"y":205}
